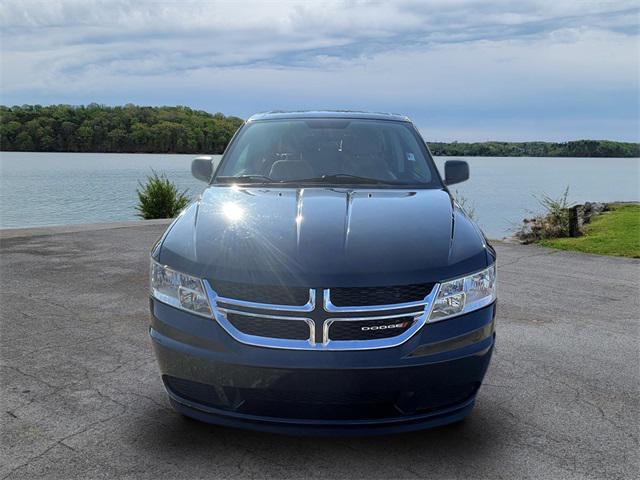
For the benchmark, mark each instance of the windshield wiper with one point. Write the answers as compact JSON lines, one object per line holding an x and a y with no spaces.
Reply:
{"x":346,"y":178}
{"x":342,"y":178}
{"x":245,"y":179}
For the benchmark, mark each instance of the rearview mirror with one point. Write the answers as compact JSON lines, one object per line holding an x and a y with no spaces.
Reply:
{"x":455,"y":171}
{"x":202,"y":168}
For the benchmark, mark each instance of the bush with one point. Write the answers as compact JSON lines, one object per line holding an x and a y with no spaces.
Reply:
{"x":160,"y":198}
{"x":553,"y":223}
{"x":556,"y":216}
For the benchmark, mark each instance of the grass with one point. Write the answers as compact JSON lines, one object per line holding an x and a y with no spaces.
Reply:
{"x":616,"y":232}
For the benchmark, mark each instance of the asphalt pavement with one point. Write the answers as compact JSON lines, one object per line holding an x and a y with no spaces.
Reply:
{"x":82,"y":398}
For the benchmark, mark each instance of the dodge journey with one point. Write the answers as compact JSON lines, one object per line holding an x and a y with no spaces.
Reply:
{"x":324,"y":282}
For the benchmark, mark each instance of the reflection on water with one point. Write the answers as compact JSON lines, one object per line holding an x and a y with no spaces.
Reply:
{"x":65,"y":188}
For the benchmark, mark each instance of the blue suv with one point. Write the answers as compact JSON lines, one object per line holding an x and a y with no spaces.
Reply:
{"x":324,"y":282}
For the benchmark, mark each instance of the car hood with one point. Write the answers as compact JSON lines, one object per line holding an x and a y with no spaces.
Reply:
{"x":323,"y":237}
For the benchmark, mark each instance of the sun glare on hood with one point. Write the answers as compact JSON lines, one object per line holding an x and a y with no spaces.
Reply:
{"x":233,"y":211}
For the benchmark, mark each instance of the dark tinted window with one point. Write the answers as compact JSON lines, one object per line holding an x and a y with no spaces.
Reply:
{"x":304,"y":149}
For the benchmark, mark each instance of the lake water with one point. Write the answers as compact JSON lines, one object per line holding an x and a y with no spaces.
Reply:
{"x":38,"y":189}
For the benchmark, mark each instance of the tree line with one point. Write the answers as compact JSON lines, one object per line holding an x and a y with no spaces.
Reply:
{"x":127,"y":129}
{"x":136,"y":129}
{"x":578,"y":148}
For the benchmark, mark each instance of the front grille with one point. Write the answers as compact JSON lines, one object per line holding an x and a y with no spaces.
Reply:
{"x":270,"y":327}
{"x":367,"y":296}
{"x":369,"y":329}
{"x":295,"y":317}
{"x":273,"y":294}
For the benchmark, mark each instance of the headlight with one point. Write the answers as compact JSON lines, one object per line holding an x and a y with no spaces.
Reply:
{"x":179,"y":290}
{"x":465,"y":294}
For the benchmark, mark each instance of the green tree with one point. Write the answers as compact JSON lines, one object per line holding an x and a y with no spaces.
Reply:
{"x":98,"y":128}
{"x":132,"y":128}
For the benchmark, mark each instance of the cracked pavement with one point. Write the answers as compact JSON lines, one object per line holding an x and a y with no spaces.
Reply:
{"x":82,"y":398}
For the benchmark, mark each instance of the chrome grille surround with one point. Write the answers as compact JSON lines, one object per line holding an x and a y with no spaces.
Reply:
{"x":322,"y":320}
{"x":220,"y":314}
{"x":419,"y":319}
{"x":307,"y":307}
{"x":330,"y":307}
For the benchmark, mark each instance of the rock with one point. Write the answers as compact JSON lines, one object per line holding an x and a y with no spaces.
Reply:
{"x":545,"y":226}
{"x":589,"y":209}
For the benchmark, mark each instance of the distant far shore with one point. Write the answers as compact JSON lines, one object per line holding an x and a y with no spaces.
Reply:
{"x":136,"y":129}
{"x":434,"y":154}
{"x":575,"y":149}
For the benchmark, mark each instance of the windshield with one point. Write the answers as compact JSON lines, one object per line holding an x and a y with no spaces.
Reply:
{"x":329,"y":151}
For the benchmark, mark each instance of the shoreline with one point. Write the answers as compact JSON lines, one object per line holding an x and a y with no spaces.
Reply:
{"x":220,"y":154}
{"x":44,"y":230}
{"x":20,"y":232}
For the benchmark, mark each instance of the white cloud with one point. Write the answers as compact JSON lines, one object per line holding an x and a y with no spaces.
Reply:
{"x":521,"y":60}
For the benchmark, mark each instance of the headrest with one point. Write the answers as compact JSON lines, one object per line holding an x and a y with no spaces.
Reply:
{"x":361,"y":141}
{"x":290,"y":170}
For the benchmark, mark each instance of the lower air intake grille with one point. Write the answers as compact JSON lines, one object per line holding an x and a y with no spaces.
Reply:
{"x":327,"y":394}
{"x":274,"y":294}
{"x":194,"y":391}
{"x":369,"y":329}
{"x":270,"y":327}
{"x":367,"y":296}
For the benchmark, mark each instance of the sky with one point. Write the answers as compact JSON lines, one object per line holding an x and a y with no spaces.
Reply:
{"x":553,"y":70}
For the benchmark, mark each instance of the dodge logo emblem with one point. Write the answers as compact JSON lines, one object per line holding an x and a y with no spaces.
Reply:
{"x":384,"y":327}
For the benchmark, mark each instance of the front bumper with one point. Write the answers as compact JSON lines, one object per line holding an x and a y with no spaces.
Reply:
{"x":430,"y":380}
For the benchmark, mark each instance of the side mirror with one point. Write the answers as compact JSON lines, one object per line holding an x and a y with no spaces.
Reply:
{"x":455,"y":171}
{"x":202,"y":168}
